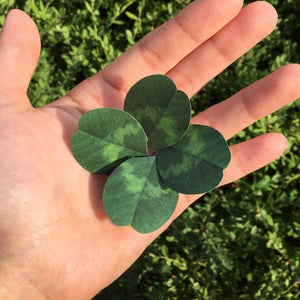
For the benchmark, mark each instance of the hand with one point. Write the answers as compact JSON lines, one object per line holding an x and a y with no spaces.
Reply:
{"x":56,"y":241}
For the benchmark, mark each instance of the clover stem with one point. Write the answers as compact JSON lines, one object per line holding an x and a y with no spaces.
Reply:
{"x":152,"y":152}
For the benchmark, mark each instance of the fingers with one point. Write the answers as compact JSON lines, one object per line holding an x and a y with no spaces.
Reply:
{"x":158,"y":52}
{"x":191,"y":49}
{"x":163,"y":48}
{"x":19,"y":52}
{"x":253,"y":23}
{"x":247,"y":157}
{"x":254,"y":102}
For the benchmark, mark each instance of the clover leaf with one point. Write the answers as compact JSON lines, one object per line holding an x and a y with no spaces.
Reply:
{"x":106,"y":137}
{"x":142,"y":190}
{"x":163,"y":111}
{"x":195,"y":164}
{"x":135,"y":195}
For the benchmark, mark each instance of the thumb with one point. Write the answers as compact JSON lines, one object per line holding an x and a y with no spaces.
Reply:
{"x":19,"y":53}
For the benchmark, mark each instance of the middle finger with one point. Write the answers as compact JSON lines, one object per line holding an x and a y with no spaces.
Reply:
{"x":250,"y":26}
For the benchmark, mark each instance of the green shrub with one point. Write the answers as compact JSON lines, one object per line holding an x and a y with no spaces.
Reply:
{"x":239,"y":242}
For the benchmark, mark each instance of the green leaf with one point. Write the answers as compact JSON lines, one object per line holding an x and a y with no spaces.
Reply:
{"x":195,"y":164}
{"x":163,"y":111}
{"x":131,"y":16}
{"x":134,"y":195}
{"x":105,"y":138}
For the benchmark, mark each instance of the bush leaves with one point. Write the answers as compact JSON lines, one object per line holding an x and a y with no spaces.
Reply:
{"x":134,"y":195}
{"x":195,"y":164}
{"x":163,"y":111}
{"x":105,"y":138}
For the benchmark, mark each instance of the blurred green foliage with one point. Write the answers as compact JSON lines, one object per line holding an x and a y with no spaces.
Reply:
{"x":238,"y":242}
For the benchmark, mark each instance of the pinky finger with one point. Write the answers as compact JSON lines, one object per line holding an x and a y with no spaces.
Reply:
{"x":254,"y":154}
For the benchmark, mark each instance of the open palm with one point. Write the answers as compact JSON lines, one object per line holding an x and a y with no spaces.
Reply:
{"x":56,"y":240}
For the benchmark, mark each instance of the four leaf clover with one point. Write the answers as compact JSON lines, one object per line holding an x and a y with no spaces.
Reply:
{"x":151,"y":152}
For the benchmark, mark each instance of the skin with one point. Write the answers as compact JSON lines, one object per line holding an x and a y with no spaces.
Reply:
{"x":56,"y":241}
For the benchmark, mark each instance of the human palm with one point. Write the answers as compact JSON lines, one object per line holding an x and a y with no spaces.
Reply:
{"x":56,"y":240}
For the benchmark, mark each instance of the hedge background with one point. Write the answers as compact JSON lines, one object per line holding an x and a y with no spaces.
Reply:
{"x":238,"y":242}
